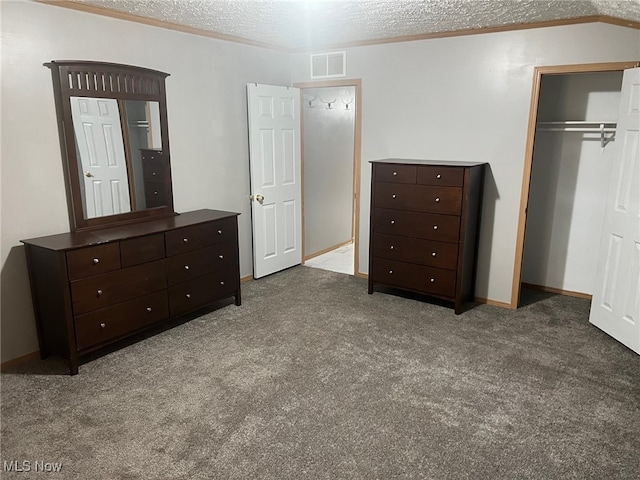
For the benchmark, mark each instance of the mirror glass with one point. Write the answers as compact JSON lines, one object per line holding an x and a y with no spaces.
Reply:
{"x":122,"y":169}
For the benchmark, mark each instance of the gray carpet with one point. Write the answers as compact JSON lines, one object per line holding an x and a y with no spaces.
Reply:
{"x":313,"y":378}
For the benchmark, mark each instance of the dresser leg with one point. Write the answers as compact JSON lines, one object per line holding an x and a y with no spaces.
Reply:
{"x":458,"y":308}
{"x":238,"y":298}
{"x":73,"y":365}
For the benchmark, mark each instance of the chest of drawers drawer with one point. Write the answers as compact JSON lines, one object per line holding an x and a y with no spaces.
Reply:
{"x":185,"y":267}
{"x":414,"y":277}
{"x":188,"y":296}
{"x":103,"y":290}
{"x":415,"y":250}
{"x":442,"y":228}
{"x":136,"y":251}
{"x":86,"y":262}
{"x":115,"y":321}
{"x":419,"y":198}
{"x":187,"y":239}
{"x":440,"y":175}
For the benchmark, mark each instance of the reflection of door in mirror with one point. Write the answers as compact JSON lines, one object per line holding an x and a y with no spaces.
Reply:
{"x":145,"y":150}
{"x":105,"y":189}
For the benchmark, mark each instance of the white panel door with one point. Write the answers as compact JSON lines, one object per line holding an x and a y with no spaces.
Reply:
{"x":96,"y":122}
{"x":615,"y":307}
{"x":274,"y":157}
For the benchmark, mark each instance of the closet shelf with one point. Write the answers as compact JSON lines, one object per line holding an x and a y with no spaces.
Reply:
{"x":582,"y":126}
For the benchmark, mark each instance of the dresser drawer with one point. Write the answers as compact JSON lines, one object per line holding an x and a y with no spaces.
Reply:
{"x":196,"y":237}
{"x":142,"y":250}
{"x":429,"y":226}
{"x":188,"y":296}
{"x":90,"y":261}
{"x":114,"y":287}
{"x":439,"y":175}
{"x":419,"y":198}
{"x":415,"y":250}
{"x":396,"y":173}
{"x":188,"y":266}
{"x":112,"y":322}
{"x":418,"y":278}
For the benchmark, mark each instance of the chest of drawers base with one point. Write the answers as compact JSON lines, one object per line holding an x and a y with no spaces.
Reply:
{"x":91,"y":289}
{"x":424,"y":227}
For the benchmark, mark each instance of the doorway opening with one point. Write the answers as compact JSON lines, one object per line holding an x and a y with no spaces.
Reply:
{"x":561,"y":171}
{"x":331,"y":132}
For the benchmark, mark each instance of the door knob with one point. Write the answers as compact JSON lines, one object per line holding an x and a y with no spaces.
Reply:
{"x":258,"y":197}
{"x":88,"y":174}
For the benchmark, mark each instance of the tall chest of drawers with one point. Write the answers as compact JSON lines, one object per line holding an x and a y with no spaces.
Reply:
{"x":424,"y":227}
{"x":94,"y":288}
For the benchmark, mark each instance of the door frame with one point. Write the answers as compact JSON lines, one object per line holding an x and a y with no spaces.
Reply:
{"x":357,"y":149}
{"x":538,"y":72}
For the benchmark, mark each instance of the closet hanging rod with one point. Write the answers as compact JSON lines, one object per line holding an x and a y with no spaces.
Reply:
{"x":584,"y":127}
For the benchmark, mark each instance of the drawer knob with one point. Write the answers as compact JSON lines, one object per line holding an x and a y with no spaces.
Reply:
{"x":393,"y":196}
{"x":390,"y":272}
{"x":102,"y":325}
{"x":221,"y":257}
{"x":433,"y":254}
{"x":149,"y":309}
{"x":188,"y":295}
{"x":185,"y":240}
{"x":435,"y":227}
{"x":395,"y":174}
{"x":222,"y":283}
{"x":437,"y":199}
{"x":186,"y":267}
{"x":155,"y":193}
{"x":438,"y":176}
{"x":96,"y":260}
{"x":154,"y":174}
{"x":391,"y":247}
{"x":99,"y":292}
{"x":432,"y":280}
{"x":392,"y":222}
{"x":219,"y":232}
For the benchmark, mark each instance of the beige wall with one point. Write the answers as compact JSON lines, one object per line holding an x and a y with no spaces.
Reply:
{"x":467,"y":98}
{"x":206,"y":96}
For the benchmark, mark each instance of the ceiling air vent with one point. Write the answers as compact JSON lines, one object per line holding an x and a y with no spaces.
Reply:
{"x":328,"y":65}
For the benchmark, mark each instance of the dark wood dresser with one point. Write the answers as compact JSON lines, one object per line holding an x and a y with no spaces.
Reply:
{"x":95,"y":287}
{"x":424,"y":227}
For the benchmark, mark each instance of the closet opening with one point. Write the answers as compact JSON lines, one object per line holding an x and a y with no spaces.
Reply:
{"x":574,"y":111}
{"x":330,"y":118}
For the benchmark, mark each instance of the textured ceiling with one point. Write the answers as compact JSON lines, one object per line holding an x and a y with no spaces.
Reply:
{"x":304,"y":24}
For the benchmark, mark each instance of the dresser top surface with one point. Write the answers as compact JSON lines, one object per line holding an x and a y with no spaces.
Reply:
{"x":440,"y":163}
{"x":71,"y":240}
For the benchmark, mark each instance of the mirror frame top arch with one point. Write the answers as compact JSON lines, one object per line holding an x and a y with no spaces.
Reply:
{"x":72,"y":78}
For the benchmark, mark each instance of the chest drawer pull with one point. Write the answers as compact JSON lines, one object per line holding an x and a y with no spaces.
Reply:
{"x":438,"y":176}
{"x":393,"y":196}
{"x":99,"y":292}
{"x":221,"y":257}
{"x":148,"y":309}
{"x":185,"y":240}
{"x":222,"y":282}
{"x":395,"y":174}
{"x":219,"y":232}
{"x":433,"y":254}
{"x":102,"y":325}
{"x":391,"y":247}
{"x":186,"y":267}
{"x":96,"y":260}
{"x":435,"y":227}
{"x":392,"y":222}
{"x":432,"y":280}
{"x":188,"y":295}
{"x":437,"y":199}
{"x":390,"y":272}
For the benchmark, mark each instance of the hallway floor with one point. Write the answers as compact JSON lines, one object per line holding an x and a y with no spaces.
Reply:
{"x":339,"y":260}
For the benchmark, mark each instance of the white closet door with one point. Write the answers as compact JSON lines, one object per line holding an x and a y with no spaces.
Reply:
{"x":616,"y":302}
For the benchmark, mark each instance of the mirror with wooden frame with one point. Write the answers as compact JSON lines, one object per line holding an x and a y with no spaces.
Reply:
{"x":114,"y":140}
